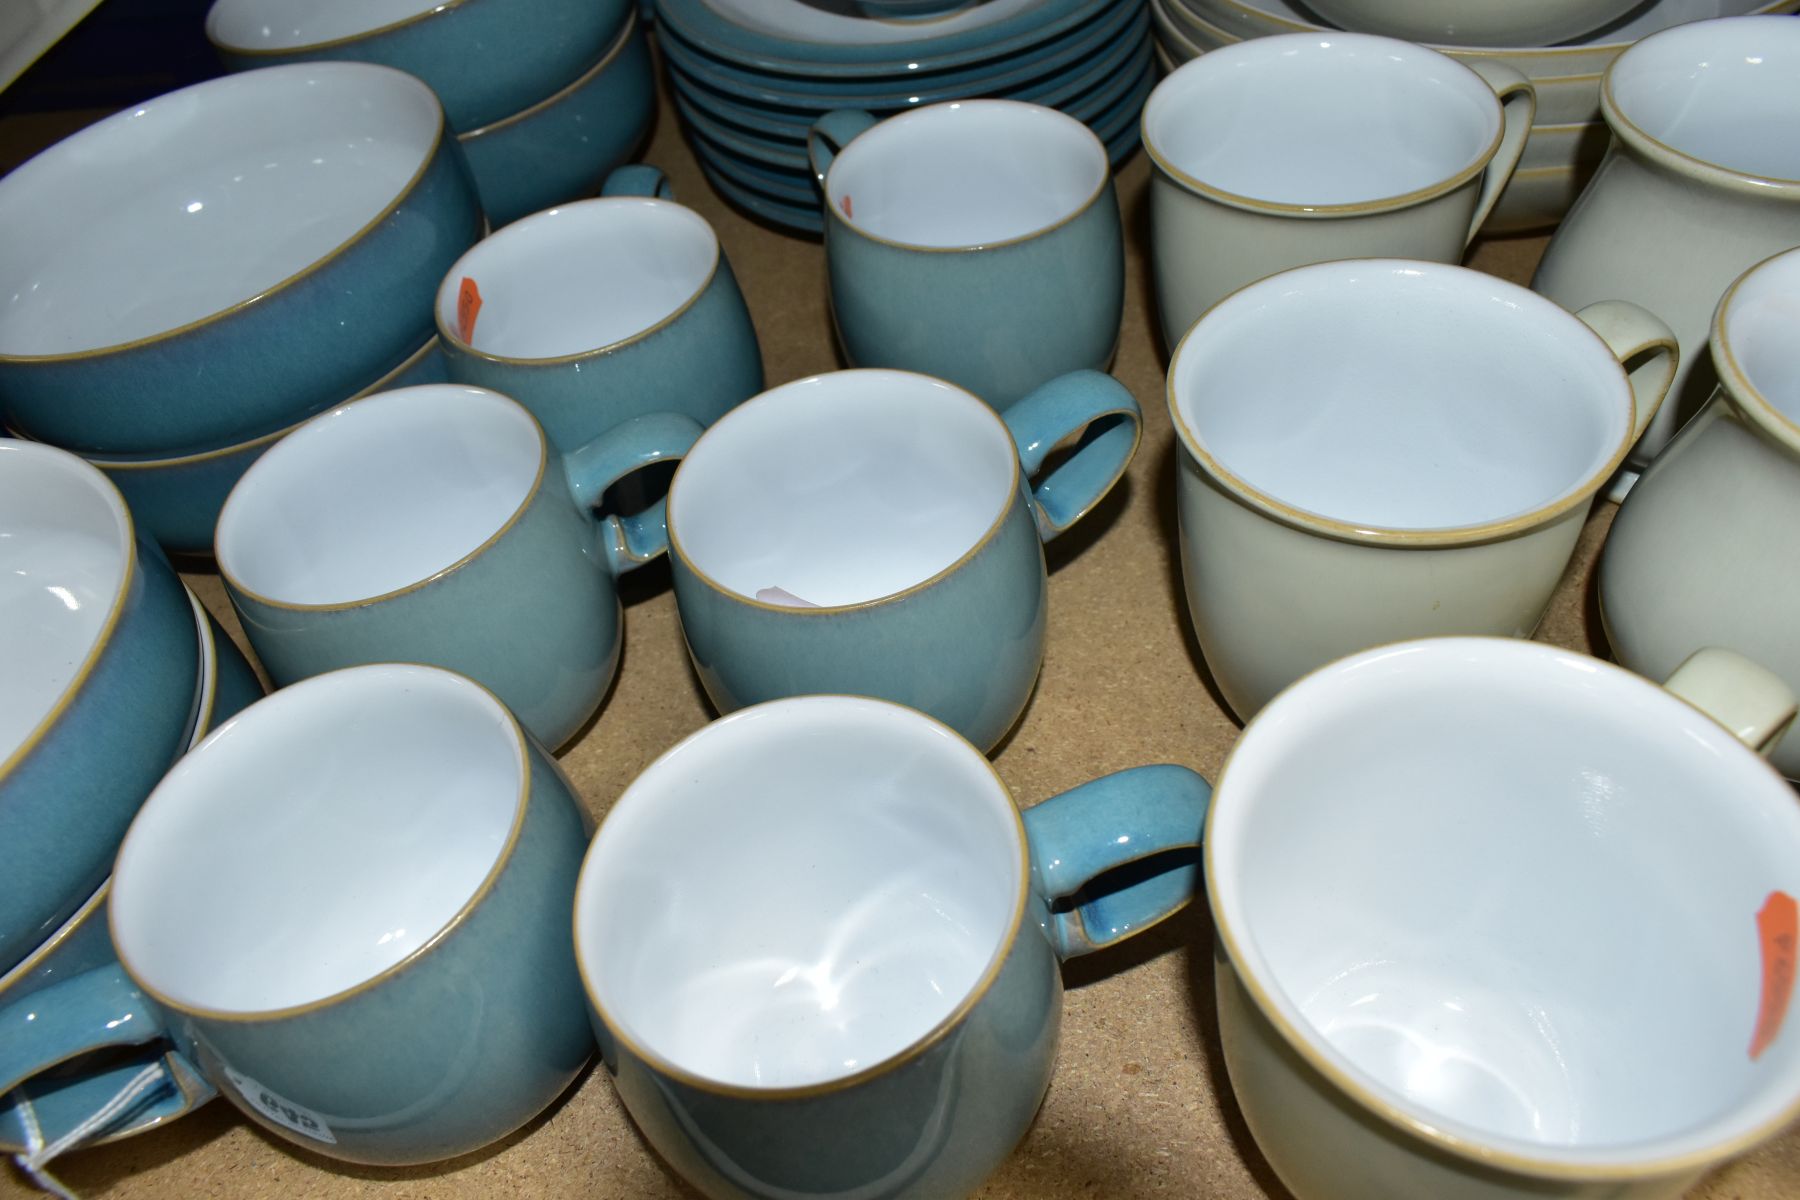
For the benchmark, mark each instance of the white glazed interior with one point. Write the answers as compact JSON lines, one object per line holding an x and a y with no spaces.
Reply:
{"x":378,"y":494}
{"x":1387,"y":394}
{"x":289,"y":24}
{"x":1512,"y":893}
{"x":199,"y":200}
{"x":581,"y":276}
{"x":1720,"y":91}
{"x":317,"y":838}
{"x":1762,"y":321}
{"x":808,"y":21}
{"x":65,"y":546}
{"x":799,"y":891}
{"x":967,"y":173}
{"x":1321,"y":119}
{"x":842,"y":488}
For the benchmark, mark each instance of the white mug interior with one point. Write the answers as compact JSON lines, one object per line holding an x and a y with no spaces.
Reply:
{"x":968,"y":173}
{"x":842,"y":488}
{"x":1395,"y":395}
{"x":1761,"y":316}
{"x":580,"y":277}
{"x":799,"y":892}
{"x":1510,"y":894}
{"x":318,"y":839}
{"x":379,"y":494}
{"x":1322,"y":119}
{"x":1721,"y":91}
{"x":252,"y":25}
{"x":65,"y":554}
{"x":235,"y":186}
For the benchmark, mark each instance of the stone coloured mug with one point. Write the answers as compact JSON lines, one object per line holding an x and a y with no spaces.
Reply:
{"x":591,"y":313}
{"x":821,"y":944}
{"x":1383,"y":449}
{"x":976,"y":241}
{"x":436,"y":524}
{"x":1300,"y":148}
{"x":348,"y":910}
{"x":1701,"y":552}
{"x":879,"y":533}
{"x":1700,"y":182}
{"x":1499,"y":921}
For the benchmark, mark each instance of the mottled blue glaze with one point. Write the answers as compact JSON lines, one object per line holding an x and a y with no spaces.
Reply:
{"x":235,"y":685}
{"x":562,"y":148}
{"x":701,"y":362}
{"x":486,"y":59}
{"x":300,"y":347}
{"x":937,"y":1122}
{"x":177,"y":500}
{"x":964,"y":647}
{"x":469,"y":1039}
{"x":533,"y":615}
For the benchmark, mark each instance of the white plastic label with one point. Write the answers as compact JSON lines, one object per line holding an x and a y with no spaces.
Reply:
{"x":285,"y":1113}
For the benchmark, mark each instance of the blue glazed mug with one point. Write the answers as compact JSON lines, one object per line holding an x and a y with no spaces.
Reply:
{"x":347,"y":910}
{"x":601,"y":310}
{"x":977,"y":241}
{"x":879,"y":533}
{"x":436,"y":524}
{"x":821,"y":944}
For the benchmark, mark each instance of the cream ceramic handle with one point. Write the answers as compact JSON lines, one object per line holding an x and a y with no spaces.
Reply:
{"x":1746,"y":698}
{"x":1518,"y":111}
{"x":1632,"y":332}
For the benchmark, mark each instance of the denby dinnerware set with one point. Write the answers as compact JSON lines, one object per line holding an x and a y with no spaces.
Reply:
{"x":388,"y":324}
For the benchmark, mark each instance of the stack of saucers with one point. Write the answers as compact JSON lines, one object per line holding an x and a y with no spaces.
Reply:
{"x":750,"y":77}
{"x":1568,"y":139}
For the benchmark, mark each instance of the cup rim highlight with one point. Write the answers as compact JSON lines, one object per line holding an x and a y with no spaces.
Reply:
{"x":1347,"y":531}
{"x":1740,"y":392}
{"x":1547,"y":1163}
{"x":888,"y":711}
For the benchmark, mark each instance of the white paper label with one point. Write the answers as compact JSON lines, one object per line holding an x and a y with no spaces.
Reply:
{"x":285,"y":1113}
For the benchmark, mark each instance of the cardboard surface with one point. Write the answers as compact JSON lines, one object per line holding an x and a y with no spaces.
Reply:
{"x":1140,"y":1106}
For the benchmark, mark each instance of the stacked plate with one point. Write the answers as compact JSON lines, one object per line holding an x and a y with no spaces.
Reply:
{"x":1568,"y":139}
{"x":750,"y":77}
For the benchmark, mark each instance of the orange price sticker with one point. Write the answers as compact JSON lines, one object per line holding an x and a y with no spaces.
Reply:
{"x":845,"y":205}
{"x":1778,"y":927}
{"x":468,"y":307}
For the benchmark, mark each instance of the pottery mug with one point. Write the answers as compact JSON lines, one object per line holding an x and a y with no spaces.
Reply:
{"x":1301,"y":148}
{"x":1499,"y":921}
{"x":880,"y":533}
{"x":976,"y":241}
{"x":821,"y":944}
{"x":347,"y":910}
{"x":1382,"y":449}
{"x":1701,"y":552}
{"x":437,"y":524}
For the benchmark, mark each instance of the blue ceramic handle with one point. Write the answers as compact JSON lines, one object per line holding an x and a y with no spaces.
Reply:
{"x":1103,"y":417}
{"x":830,"y":134}
{"x":54,"y":1108}
{"x":90,"y":1011}
{"x":629,"y":541}
{"x":1113,"y":821}
{"x":638,"y":179}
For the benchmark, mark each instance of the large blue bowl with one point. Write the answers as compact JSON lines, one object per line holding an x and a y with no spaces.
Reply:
{"x":285,"y":233}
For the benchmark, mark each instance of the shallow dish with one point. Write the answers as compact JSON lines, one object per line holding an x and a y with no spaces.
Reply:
{"x":1475,"y":22}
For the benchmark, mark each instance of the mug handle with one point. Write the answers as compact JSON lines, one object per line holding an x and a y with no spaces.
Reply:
{"x":638,"y":179}
{"x":1101,"y":416}
{"x":1111,"y":822}
{"x":629,"y":541}
{"x":830,"y":134}
{"x":1632,"y":332}
{"x":121,"y":1101}
{"x":1518,"y":110}
{"x":1740,"y":694}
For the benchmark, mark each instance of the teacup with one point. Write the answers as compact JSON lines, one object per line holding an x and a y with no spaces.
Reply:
{"x":1499,"y":921}
{"x":601,"y":310}
{"x":976,"y":241}
{"x":879,"y":533}
{"x":98,"y":694}
{"x":821,"y":944}
{"x":409,"y":993}
{"x":1383,"y":449}
{"x":1301,"y":148}
{"x":436,"y":524}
